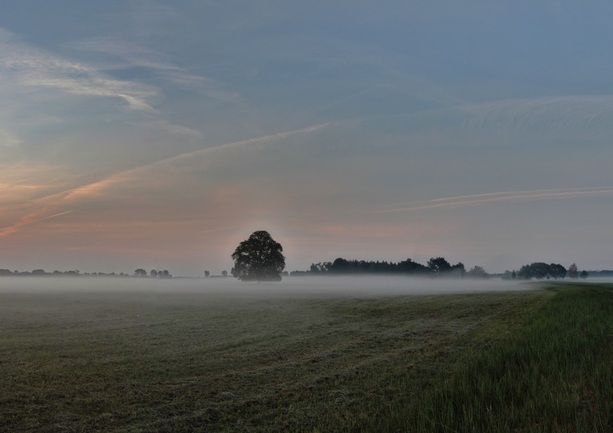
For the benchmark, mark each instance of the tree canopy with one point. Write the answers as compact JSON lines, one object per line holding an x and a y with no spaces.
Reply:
{"x":437,"y":267}
{"x":540,"y":270}
{"x":259,"y":258}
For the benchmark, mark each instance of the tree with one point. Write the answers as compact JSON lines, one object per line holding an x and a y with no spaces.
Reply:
{"x":320,"y":268}
{"x":540,"y":270}
{"x":557,"y":271}
{"x":583,"y":274}
{"x":340,"y":266}
{"x":259,"y":258}
{"x":439,"y":265}
{"x":408,"y":266}
{"x":458,"y":270}
{"x":525,"y":273}
{"x":479,"y":272}
{"x":153,"y":273}
{"x":140,"y":273}
{"x":573,"y":272}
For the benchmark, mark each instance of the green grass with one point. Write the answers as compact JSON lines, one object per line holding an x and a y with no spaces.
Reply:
{"x":553,"y":375}
{"x":189,"y":362}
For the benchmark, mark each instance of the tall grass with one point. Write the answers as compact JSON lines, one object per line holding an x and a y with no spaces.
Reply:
{"x":555,"y":375}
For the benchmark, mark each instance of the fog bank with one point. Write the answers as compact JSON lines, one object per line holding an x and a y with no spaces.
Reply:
{"x":362,"y":286}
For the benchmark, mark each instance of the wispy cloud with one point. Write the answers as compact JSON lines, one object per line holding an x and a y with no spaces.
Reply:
{"x":121,"y":55}
{"x":32,"y":68}
{"x":497,"y":197}
{"x":171,"y":128}
{"x":589,"y":117}
{"x":52,"y":205}
{"x":266,"y":139}
{"x":28,"y":220}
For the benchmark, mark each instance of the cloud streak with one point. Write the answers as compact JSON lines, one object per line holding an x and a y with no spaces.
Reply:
{"x":125,"y":56}
{"x":550,"y":117}
{"x":497,"y":197}
{"x":93,"y":190}
{"x":33,"y":68}
{"x":28,"y":220}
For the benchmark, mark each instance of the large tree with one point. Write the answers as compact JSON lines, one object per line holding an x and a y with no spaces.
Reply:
{"x":259,"y":258}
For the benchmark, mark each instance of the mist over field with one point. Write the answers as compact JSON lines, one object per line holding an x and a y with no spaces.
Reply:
{"x":290,"y":286}
{"x":369,"y":354}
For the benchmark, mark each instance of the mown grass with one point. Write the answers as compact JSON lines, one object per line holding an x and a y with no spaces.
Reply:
{"x":188,"y":362}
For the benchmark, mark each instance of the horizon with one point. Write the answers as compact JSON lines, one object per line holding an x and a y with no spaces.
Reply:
{"x":299,"y":273}
{"x":161,"y":135}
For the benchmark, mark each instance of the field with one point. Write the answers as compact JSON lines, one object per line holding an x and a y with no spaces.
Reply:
{"x":127,"y":357}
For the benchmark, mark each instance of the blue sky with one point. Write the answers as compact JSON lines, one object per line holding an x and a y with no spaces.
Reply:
{"x":160,"y":134}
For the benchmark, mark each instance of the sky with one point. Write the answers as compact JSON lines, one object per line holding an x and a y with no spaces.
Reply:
{"x":160,"y":134}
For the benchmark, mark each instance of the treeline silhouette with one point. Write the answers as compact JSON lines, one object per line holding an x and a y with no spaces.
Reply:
{"x":440,"y":267}
{"x":436,"y":266}
{"x":139,"y":273}
{"x":541,"y":270}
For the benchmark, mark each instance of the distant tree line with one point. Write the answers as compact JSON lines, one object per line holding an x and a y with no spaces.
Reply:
{"x":43,"y":273}
{"x":139,"y":273}
{"x":598,"y":274}
{"x":436,"y":267}
{"x":541,"y":270}
{"x":440,"y":267}
{"x":207,"y":274}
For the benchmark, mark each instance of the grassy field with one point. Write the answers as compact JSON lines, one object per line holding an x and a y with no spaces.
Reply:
{"x":163,"y":361}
